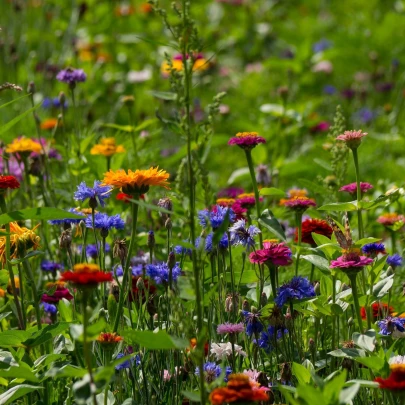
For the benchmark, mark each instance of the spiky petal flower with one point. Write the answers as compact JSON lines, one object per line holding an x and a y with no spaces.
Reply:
{"x":71,"y":76}
{"x":230,"y":328}
{"x":252,"y":321}
{"x":8,"y":183}
{"x":350,"y":262}
{"x":246,"y":140}
{"x":379,"y":309}
{"x":216,"y":216}
{"x":352,"y":138}
{"x":104,"y":221}
{"x":396,"y":380}
{"x":68,"y":221}
{"x":297,"y":289}
{"x":107,"y":147}
{"x":390,"y":325}
{"x":310,"y":226}
{"x":277,"y":254}
{"x":242,"y":235}
{"x":352,"y":188}
{"x":96,"y":194}
{"x":160,"y":272}
{"x":395,"y":260}
{"x":138,"y":181}
{"x":212,"y":371}
{"x":373,"y":249}
{"x":23,"y":145}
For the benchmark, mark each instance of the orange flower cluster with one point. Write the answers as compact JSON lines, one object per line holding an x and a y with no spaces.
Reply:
{"x":107,"y":147}
{"x":109,"y":338}
{"x":239,"y":389}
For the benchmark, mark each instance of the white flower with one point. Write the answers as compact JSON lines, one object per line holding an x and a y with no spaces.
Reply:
{"x":397,"y":360}
{"x":223,"y":350}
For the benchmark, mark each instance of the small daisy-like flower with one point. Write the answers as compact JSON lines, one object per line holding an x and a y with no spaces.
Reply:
{"x":107,"y":147}
{"x":104,"y":221}
{"x":310,"y":226}
{"x":160,"y":272}
{"x":390,"y":325}
{"x":352,"y":138}
{"x":246,"y":140}
{"x":390,"y":219}
{"x":277,"y":254}
{"x":373,"y":249}
{"x":86,"y":275}
{"x":24,"y":145}
{"x":108,"y":339}
{"x":395,"y":260}
{"x":230,"y":328}
{"x":352,"y":188}
{"x":71,"y":76}
{"x":8,"y":183}
{"x":298,"y":288}
{"x":215,"y":217}
{"x":96,"y":194}
{"x":138,"y":181}
{"x":299,"y":204}
{"x":242,"y":235}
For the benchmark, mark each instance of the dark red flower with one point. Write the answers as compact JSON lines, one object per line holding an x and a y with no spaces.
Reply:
{"x":380,"y":310}
{"x":8,"y":182}
{"x":395,"y":381}
{"x":310,"y":226}
{"x":139,"y":287}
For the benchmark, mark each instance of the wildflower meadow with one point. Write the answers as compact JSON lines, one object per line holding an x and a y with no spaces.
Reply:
{"x":202,"y":202}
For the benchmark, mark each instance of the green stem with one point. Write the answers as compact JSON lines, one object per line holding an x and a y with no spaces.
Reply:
{"x":28,"y":270}
{"x":249,"y":160}
{"x":21,"y":322}
{"x":353,"y":281}
{"x":359,"y":216}
{"x":124,"y":285}
{"x":273,"y":271}
{"x":298,"y":221}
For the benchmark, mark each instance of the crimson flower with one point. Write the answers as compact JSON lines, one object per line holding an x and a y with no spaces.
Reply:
{"x":311,"y":226}
{"x":8,"y":182}
{"x":86,"y":274}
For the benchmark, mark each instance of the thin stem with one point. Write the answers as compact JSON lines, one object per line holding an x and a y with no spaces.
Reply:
{"x":359,"y":216}
{"x":298,"y":220}
{"x":124,"y":285}
{"x":273,"y":271}
{"x":28,"y":270}
{"x":353,"y":281}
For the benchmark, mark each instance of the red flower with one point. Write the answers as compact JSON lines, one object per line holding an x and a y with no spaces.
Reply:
{"x":139,"y":289}
{"x":310,"y":226}
{"x":277,"y":254}
{"x":84,"y":274}
{"x":380,"y":310}
{"x":126,"y":197}
{"x":395,"y":381}
{"x":193,"y":345}
{"x":8,"y":182}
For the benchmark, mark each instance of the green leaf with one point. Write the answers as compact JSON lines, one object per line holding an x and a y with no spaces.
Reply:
{"x":365,"y":341}
{"x":349,"y":353}
{"x":123,"y":128}
{"x":17,"y":392}
{"x":45,"y":334}
{"x":186,"y":288}
{"x":13,"y":338}
{"x":323,"y":163}
{"x":163,"y":95}
{"x":364,"y":241}
{"x":65,"y":310}
{"x":13,"y":101}
{"x":347,"y":394}
{"x":193,"y":396}
{"x":45,"y":213}
{"x":382,"y":200}
{"x":272,"y":191}
{"x":302,"y":374}
{"x":66,"y":371}
{"x":319,"y":262}
{"x":155,"y":341}
{"x":375,"y":363}
{"x":27,"y":256}
{"x":22,"y":373}
{"x":269,"y":221}
{"x":339,"y":206}
{"x":383,"y":286}
{"x":84,"y":144}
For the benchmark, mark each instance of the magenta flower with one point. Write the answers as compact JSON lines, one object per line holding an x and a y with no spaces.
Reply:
{"x":230,"y":328}
{"x":352,"y":187}
{"x":350,"y":262}
{"x":299,"y":204}
{"x":277,"y":254}
{"x":246,"y":140}
{"x":352,"y":138}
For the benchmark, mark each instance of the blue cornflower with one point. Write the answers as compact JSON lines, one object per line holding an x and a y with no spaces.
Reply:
{"x":223,"y":243}
{"x":329,"y":89}
{"x":365,"y":115}
{"x":298,"y":288}
{"x":373,"y":249}
{"x":212,"y":371}
{"x":391,"y":324}
{"x":50,"y":308}
{"x":395,"y":260}
{"x":127,"y":363}
{"x":160,"y":272}
{"x":271,"y":336}
{"x":253,"y":324}
{"x":216,"y":216}
{"x":91,"y":250}
{"x":96,"y":195}
{"x":136,"y":270}
{"x":53,"y":102}
{"x":47,"y":265}
{"x":240,"y":235}
{"x":181,"y":250}
{"x":68,"y":221}
{"x":321,"y":45}
{"x":103,"y":221}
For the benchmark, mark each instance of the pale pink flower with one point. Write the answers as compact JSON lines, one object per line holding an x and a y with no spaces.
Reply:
{"x":352,"y":138}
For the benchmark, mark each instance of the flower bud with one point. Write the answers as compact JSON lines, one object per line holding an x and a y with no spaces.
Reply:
{"x":166,"y":203}
{"x":120,"y":249}
{"x":311,"y":343}
{"x":65,"y":240}
{"x":31,"y":88}
{"x":140,"y":284}
{"x":62,"y":98}
{"x":93,"y":202}
{"x":390,"y":271}
{"x":168,"y":224}
{"x":350,"y":322}
{"x":151,"y":240}
{"x":246,"y":305}
{"x":317,"y":288}
{"x":128,"y":100}
{"x":104,"y":232}
{"x":263,"y":299}
{"x":171,"y":260}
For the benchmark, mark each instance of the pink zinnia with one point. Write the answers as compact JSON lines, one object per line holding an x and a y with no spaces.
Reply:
{"x":352,"y":187}
{"x":350,"y":262}
{"x":299,"y":203}
{"x":230,"y":328}
{"x":246,"y":140}
{"x":277,"y":254}
{"x":352,"y":138}
{"x":390,"y":219}
{"x":57,"y":296}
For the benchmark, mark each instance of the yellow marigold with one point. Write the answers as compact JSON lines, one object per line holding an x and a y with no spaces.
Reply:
{"x":107,"y":147}
{"x":21,"y":238}
{"x":246,"y":195}
{"x":23,"y":145}
{"x":138,"y":181}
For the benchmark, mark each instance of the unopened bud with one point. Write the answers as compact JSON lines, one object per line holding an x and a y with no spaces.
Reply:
{"x":93,"y":202}
{"x":246,"y":305}
{"x":317,"y":288}
{"x":65,"y":240}
{"x":311,"y":343}
{"x":171,"y":260}
{"x":253,"y":310}
{"x":150,"y":307}
{"x":62,"y":98}
{"x":128,"y":100}
{"x":31,"y":88}
{"x":350,"y":321}
{"x":104,"y":232}
{"x":168,"y":224}
{"x":151,"y":240}
{"x":140,"y":284}
{"x":166,"y":203}
{"x":156,"y":317}
{"x":120,"y":249}
{"x":263,"y":299}
{"x":390,"y":271}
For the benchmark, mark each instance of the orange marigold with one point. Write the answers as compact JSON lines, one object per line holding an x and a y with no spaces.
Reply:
{"x":23,"y":145}
{"x":138,"y":181}
{"x":109,"y":338}
{"x":49,"y":123}
{"x":107,"y":147}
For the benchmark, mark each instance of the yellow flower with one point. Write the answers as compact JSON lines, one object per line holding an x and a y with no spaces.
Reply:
{"x":86,"y":268}
{"x":107,"y":147}
{"x":23,"y":145}
{"x":225,"y":202}
{"x":246,"y":195}
{"x":20,"y":238}
{"x":200,"y":64}
{"x":247,"y":134}
{"x":138,"y":181}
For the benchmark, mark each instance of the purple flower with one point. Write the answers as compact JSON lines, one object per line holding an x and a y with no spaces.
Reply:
{"x":252,"y":321}
{"x":216,"y":216}
{"x":365,"y":115}
{"x":329,"y":89}
{"x":103,"y":221}
{"x":240,"y":235}
{"x":276,"y":254}
{"x":53,"y":102}
{"x":297,"y":289}
{"x":136,"y":271}
{"x":230,"y":328}
{"x":50,"y":308}
{"x":127,"y":363}
{"x":68,"y":221}
{"x":91,"y":250}
{"x":352,"y":187}
{"x":71,"y":76}
{"x":395,"y":260}
{"x":230,"y":192}
{"x":321,"y":45}
{"x":96,"y":195}
{"x":373,"y":249}
{"x":246,"y":140}
{"x":47,"y":265}
{"x":391,"y":324}
{"x":212,"y":371}
{"x":222,"y":244}
{"x":160,"y":272}
{"x":267,"y":339}
{"x":181,"y":250}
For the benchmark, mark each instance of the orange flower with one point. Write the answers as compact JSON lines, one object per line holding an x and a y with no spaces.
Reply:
{"x":225,"y":202}
{"x":107,"y":147}
{"x":23,"y":145}
{"x":238,"y":389}
{"x":138,"y":181}
{"x":109,"y":338}
{"x":49,"y":123}
{"x":2,"y":293}
{"x":86,"y":274}
{"x":21,"y":238}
